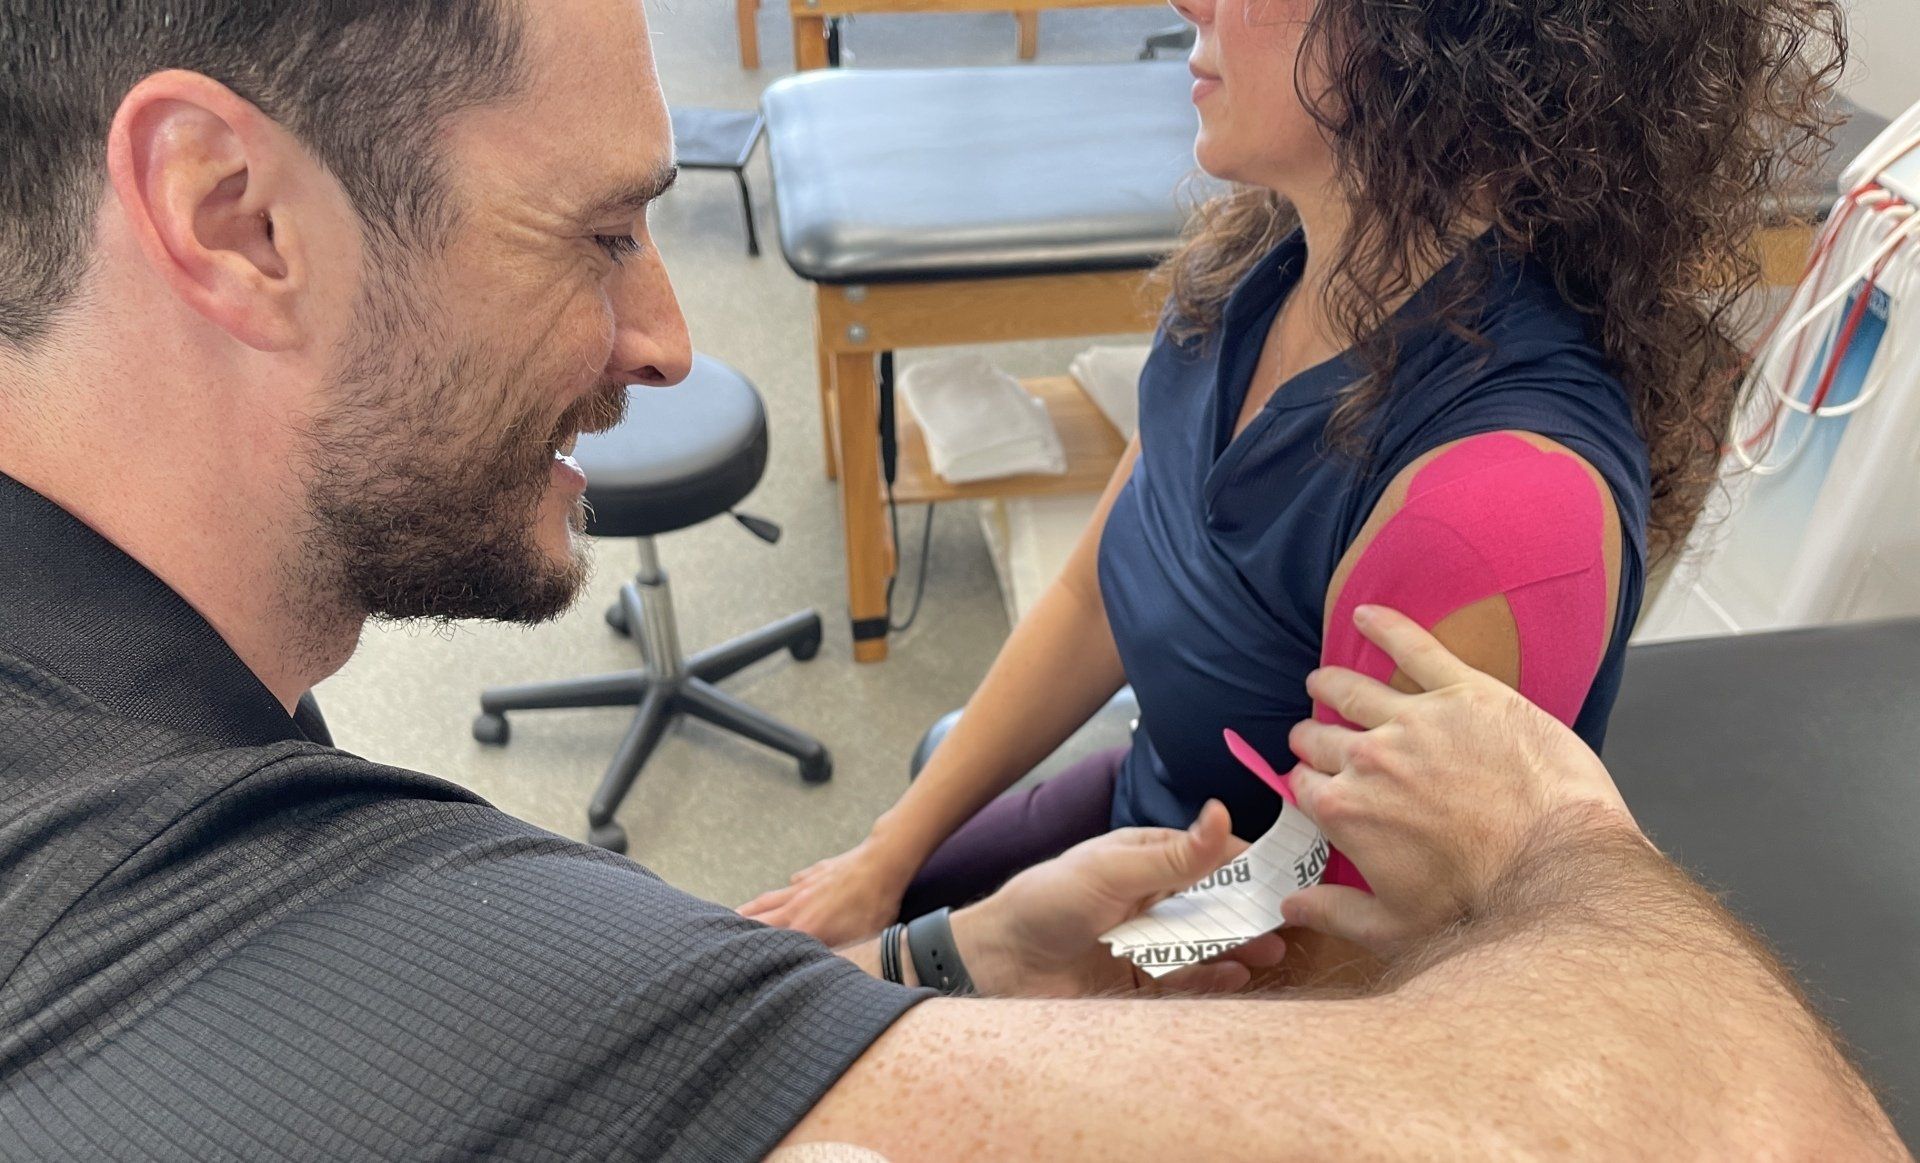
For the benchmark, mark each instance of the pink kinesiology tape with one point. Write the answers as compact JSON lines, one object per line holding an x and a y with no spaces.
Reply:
{"x":1491,"y":516}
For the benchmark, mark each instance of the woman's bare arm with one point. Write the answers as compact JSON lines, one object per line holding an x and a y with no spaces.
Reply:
{"x":1055,"y":670}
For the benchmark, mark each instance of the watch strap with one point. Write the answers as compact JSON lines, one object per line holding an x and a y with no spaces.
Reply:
{"x":890,"y":954}
{"x":936,"y":959}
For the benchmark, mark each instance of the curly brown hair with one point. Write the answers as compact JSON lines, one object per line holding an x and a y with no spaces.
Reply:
{"x":1632,"y":149}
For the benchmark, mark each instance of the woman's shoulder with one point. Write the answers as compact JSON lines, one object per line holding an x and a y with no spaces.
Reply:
{"x":1519,"y":338}
{"x":1528,"y":362}
{"x":1525,"y":315}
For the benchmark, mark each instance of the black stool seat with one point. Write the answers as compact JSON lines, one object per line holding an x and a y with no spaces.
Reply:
{"x":684,"y":455}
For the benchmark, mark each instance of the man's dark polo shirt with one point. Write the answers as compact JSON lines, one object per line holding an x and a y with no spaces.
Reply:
{"x":222,"y":939}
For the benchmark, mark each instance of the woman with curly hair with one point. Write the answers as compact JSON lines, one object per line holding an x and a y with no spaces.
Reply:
{"x":1459,"y":340}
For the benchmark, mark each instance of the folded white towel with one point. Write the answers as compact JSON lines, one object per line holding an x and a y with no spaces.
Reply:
{"x":979,"y":422}
{"x":1111,"y":376}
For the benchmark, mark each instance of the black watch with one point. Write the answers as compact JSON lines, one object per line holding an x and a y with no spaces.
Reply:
{"x":936,"y":959}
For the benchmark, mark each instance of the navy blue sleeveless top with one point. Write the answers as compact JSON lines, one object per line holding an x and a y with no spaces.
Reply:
{"x":1215,"y":561}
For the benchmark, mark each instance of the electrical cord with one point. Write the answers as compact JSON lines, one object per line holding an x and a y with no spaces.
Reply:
{"x":889,"y":470}
{"x":1782,"y":387}
{"x":1866,"y":239}
{"x":926,"y":562}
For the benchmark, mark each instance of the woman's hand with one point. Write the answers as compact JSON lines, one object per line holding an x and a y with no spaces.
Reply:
{"x":1039,"y":936}
{"x":840,"y":900}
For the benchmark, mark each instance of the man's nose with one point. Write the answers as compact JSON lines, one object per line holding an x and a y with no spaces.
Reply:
{"x":651,"y":343}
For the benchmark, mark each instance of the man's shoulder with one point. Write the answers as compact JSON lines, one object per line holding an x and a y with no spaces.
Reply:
{"x":417,"y":967}
{"x":101,"y":815}
{"x":118,"y":782}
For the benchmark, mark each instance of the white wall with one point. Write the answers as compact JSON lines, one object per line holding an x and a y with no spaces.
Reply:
{"x":1886,"y":55}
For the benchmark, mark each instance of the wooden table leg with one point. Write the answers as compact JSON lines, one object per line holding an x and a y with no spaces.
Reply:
{"x":856,"y":397}
{"x":1029,"y":34}
{"x":809,"y":42}
{"x":747,"y":15}
{"x":829,"y":422}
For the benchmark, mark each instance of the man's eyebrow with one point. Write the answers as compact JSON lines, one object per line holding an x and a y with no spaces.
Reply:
{"x":632,"y":198}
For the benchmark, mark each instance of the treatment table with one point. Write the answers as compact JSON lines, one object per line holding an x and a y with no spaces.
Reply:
{"x":1783,"y":770}
{"x":938,"y":207}
{"x":958,"y":206}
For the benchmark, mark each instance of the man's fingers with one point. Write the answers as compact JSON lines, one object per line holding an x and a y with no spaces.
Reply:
{"x":1263,"y":952}
{"x":1209,"y":844}
{"x":1321,"y":745}
{"x":1339,"y":911}
{"x":1418,"y":653}
{"x":1207,"y":977}
{"x":1308,"y":785}
{"x":1355,"y":697}
{"x":1152,"y":862}
{"x":1231,"y":971}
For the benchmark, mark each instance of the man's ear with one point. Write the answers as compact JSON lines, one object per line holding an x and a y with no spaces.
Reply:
{"x":205,"y":181}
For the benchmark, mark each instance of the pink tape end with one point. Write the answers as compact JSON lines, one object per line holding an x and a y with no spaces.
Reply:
{"x":1254,"y":762}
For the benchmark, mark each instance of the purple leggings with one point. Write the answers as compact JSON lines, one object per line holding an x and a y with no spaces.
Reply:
{"x":1016,"y":832}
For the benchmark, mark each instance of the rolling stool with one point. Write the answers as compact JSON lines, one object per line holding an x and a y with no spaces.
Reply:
{"x":683,"y":455}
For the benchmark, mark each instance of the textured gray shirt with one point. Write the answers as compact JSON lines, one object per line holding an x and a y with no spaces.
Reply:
{"x":221,"y":938}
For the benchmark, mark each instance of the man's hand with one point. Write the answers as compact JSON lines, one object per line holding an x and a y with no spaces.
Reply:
{"x":1441,"y":793}
{"x":1039,"y":935}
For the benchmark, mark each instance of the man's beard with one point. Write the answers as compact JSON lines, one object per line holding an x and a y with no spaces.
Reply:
{"x":425,"y":492}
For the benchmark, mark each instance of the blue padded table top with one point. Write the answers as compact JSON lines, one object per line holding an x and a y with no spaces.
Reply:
{"x":907,"y":175}
{"x":923,"y":174}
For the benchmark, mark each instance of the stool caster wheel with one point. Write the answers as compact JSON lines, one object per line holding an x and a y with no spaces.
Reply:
{"x":610,"y":836}
{"x":817,"y":768}
{"x":617,"y":618}
{"x":491,"y":729}
{"x":804,"y":649}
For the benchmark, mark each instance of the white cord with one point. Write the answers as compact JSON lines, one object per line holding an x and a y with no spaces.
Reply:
{"x":1775,"y":392}
{"x":1851,"y":283}
{"x":1879,"y":225}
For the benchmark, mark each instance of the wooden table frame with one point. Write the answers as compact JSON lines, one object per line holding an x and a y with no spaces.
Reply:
{"x":856,"y":324}
{"x":810,"y":19}
{"x":747,"y":16}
